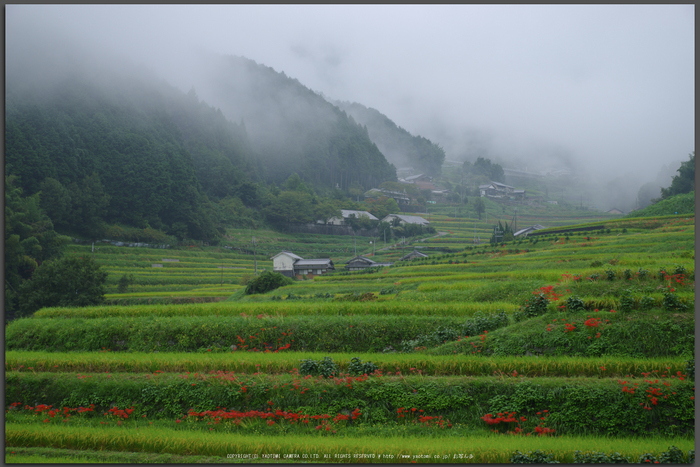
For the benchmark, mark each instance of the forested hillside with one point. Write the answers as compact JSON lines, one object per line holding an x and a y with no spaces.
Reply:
{"x":111,"y":143}
{"x":400,"y":147}
{"x":132,"y":150}
{"x":292,"y":128}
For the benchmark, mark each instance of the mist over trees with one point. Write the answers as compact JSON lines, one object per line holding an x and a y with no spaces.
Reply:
{"x":291,"y":128}
{"x":113,"y":146}
{"x":400,"y":147}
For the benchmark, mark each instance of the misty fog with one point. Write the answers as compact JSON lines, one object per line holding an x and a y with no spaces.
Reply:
{"x":603,"y":91}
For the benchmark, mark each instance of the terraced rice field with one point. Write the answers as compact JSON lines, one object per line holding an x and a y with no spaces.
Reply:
{"x":580,"y":346}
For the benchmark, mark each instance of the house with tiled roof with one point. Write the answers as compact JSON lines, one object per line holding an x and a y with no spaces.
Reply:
{"x":347,"y":213}
{"x":359,"y":263}
{"x":291,"y":265}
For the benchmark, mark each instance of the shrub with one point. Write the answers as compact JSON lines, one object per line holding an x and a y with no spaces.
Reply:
{"x":626,"y":301}
{"x":574,"y":304}
{"x":124,"y":282}
{"x":535,"y":307}
{"x":671,"y":302}
{"x":610,"y":274}
{"x":647,"y":458}
{"x":356,"y":367}
{"x":672,"y":456}
{"x":680,"y":270}
{"x":71,"y":281}
{"x":326,"y":367}
{"x":537,"y":457}
{"x":266,"y":282}
{"x":595,"y":457}
{"x":646,"y":302}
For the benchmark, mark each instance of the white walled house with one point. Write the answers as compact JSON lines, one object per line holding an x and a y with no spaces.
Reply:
{"x":346,"y":213}
{"x":284,"y":263}
{"x":291,"y":265}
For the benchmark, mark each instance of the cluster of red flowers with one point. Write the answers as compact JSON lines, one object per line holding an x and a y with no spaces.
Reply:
{"x":51,"y":412}
{"x":592,"y":322}
{"x":654,"y":393}
{"x":510,"y":418}
{"x":502,"y":417}
{"x":408,"y":415}
{"x":119,"y":413}
{"x":548,"y":291}
{"x":679,"y":279}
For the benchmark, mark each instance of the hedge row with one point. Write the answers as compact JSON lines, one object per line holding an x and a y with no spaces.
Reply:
{"x":575,"y":405}
{"x":634,"y":335}
{"x":183,"y":334}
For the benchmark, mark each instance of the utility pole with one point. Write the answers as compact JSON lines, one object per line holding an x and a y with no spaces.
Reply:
{"x":255,"y":258}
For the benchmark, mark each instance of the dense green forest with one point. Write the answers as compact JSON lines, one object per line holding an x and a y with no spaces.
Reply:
{"x":132,"y":154}
{"x":398,"y":145}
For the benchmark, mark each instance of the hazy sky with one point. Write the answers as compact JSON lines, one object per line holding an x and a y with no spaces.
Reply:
{"x":612,"y":86}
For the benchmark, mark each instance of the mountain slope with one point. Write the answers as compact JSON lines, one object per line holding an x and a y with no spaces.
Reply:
{"x":123,"y":147}
{"x":293,"y":129}
{"x":399,"y":146}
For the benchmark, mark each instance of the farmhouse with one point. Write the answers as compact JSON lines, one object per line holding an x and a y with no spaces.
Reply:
{"x":404,"y":219}
{"x":500,"y":190}
{"x":422,"y":181}
{"x":359,"y":263}
{"x":347,"y":213}
{"x":313,"y":267}
{"x":291,"y":265}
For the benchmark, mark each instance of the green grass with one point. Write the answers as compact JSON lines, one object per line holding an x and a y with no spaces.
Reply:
{"x":281,"y":363}
{"x":484,"y":449}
